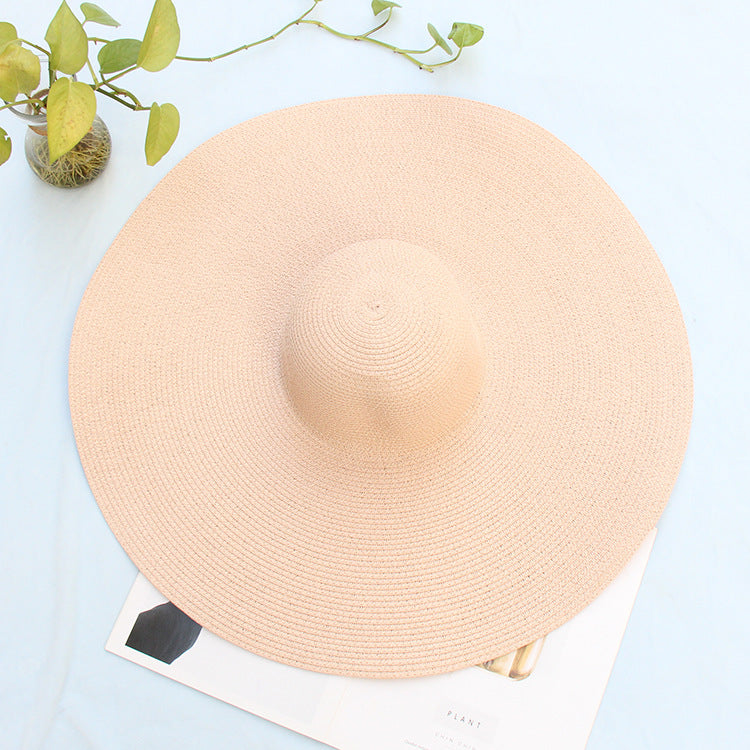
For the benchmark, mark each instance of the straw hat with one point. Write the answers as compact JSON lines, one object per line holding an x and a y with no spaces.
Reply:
{"x":381,"y":386}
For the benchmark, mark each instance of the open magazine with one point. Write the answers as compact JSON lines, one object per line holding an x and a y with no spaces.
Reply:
{"x":481,"y":708}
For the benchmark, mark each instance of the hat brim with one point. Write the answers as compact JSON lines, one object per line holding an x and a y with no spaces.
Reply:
{"x":342,"y":561}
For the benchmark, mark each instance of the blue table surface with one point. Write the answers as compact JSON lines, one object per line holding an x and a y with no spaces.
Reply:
{"x":653,"y":94}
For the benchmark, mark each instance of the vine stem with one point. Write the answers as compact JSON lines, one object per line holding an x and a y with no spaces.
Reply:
{"x":364,"y":37}
{"x":106,"y":81}
{"x":252,"y":44}
{"x":91,"y":70}
{"x":380,"y":26}
{"x":110,"y":95}
{"x":129,"y":94}
{"x":35,"y":46}
{"x":106,"y":86}
{"x":18,"y":102}
{"x":420,"y":51}
{"x":360,"y":38}
{"x":450,"y":60}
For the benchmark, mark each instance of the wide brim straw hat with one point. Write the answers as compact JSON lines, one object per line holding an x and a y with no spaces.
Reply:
{"x":383,"y":386}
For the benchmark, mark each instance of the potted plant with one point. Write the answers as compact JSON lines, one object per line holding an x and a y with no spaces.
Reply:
{"x":68,"y":145}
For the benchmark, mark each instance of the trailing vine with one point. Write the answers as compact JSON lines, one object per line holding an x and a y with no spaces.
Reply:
{"x":69,"y":104}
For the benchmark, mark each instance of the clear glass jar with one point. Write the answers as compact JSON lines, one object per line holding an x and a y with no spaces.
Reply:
{"x":82,"y":164}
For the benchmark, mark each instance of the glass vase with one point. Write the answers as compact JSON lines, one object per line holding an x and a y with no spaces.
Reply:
{"x":82,"y":164}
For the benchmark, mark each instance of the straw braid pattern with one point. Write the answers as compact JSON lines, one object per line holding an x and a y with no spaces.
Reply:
{"x":333,"y":546}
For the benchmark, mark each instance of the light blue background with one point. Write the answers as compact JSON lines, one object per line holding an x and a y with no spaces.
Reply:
{"x":653,"y":94}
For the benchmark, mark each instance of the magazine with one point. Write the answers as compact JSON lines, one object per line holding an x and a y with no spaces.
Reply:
{"x":544,"y":695}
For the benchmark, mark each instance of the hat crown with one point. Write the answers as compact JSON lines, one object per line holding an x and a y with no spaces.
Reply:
{"x":380,"y":348}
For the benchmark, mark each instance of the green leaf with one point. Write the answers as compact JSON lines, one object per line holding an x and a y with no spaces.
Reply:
{"x":5,"y":146}
{"x":435,"y":34}
{"x":118,"y":55}
{"x":378,"y":6}
{"x":163,"y":126}
{"x":67,"y":41}
{"x":95,"y":14}
{"x":19,"y":71}
{"x":71,"y":107}
{"x":8,"y":34}
{"x":162,"y":37}
{"x":466,"y":34}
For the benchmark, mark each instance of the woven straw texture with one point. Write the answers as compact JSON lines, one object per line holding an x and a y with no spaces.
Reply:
{"x":382,"y":386}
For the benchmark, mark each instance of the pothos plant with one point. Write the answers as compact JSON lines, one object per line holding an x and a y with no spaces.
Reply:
{"x":69,"y":103}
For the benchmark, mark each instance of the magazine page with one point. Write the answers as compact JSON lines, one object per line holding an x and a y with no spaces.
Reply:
{"x":476,"y":709}
{"x":473,"y":709}
{"x":303,"y":701}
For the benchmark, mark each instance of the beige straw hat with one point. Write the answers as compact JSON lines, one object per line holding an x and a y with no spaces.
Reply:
{"x":381,"y":386}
